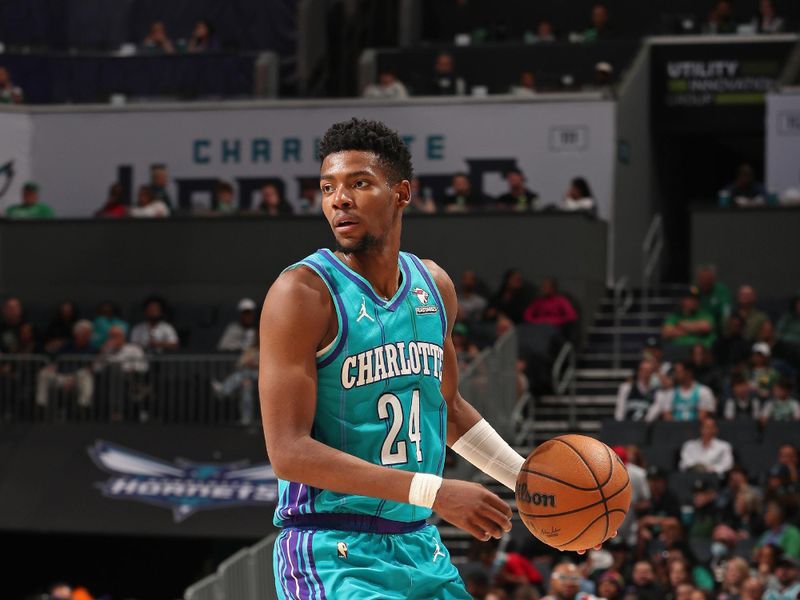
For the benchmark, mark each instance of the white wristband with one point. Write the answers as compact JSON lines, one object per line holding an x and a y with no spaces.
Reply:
{"x":483,"y":447}
{"x":423,"y":489}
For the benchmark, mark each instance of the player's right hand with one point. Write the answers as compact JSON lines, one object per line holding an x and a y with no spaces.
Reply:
{"x":473,"y":508}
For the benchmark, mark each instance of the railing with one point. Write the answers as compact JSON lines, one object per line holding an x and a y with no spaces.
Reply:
{"x":489,"y":383}
{"x":247,"y":575}
{"x":623,"y":300}
{"x":198,"y":389}
{"x":563,"y":377}
{"x":651,"y":255}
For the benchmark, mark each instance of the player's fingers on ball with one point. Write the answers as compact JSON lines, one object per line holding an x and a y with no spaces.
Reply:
{"x":498,"y":517}
{"x":476,"y":531}
{"x":488,"y":526}
{"x":497,"y":502}
{"x":581,"y":551}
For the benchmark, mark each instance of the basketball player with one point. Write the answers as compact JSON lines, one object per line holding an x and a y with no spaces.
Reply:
{"x":359,"y":393}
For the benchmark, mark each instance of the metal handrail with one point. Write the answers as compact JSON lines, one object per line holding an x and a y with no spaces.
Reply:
{"x":563,"y":377}
{"x":651,"y":255}
{"x":623,"y":300}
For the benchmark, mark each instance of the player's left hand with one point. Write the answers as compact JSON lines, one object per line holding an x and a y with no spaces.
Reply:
{"x":599,"y":546}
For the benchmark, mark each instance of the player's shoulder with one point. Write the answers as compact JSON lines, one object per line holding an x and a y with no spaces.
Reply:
{"x":440,"y":276}
{"x":299,"y":286}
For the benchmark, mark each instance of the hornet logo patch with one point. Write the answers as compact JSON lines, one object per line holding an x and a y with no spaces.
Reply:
{"x":423,"y":297}
{"x":183,"y":486}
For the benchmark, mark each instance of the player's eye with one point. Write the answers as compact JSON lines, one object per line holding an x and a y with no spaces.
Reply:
{"x":361,"y":183}
{"x":327,"y":188}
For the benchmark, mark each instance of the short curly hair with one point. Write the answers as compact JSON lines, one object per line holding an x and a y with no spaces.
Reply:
{"x":371,"y":136}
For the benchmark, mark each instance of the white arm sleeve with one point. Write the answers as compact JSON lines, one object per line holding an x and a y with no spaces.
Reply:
{"x":485,"y":449}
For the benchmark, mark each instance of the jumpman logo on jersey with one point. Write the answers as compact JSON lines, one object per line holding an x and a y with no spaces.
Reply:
{"x":437,"y":553}
{"x":363,"y":313}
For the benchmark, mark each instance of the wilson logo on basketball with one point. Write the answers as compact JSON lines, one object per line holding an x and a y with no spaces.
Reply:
{"x":535,"y":498}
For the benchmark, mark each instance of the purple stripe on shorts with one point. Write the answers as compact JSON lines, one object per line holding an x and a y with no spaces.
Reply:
{"x":352,"y":522}
{"x":313,"y":564}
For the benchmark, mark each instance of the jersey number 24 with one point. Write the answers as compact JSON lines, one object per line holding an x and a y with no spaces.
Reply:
{"x":394,"y":451}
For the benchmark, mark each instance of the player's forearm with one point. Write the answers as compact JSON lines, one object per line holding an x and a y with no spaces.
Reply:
{"x":461,"y":417}
{"x":308,"y":461}
{"x":477,"y":442}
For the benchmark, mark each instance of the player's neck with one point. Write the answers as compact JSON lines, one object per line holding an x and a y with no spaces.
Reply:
{"x":379,"y":266}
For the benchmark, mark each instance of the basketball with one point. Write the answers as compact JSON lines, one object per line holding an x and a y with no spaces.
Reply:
{"x":573,"y":492}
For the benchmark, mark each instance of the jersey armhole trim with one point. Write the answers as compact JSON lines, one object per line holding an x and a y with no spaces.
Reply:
{"x":328,"y":354}
{"x":426,"y":275}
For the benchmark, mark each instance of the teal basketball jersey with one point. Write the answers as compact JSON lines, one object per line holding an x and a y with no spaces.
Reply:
{"x":378,"y":386}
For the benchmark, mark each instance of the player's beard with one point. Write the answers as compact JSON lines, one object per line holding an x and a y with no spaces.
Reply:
{"x":365,"y":244}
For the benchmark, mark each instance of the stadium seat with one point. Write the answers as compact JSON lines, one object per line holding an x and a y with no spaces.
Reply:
{"x":741,"y":431}
{"x":756,"y":459}
{"x":662,"y":455}
{"x":673,"y":433}
{"x":623,"y":433}
{"x":682,"y":484}
{"x":782,"y":432}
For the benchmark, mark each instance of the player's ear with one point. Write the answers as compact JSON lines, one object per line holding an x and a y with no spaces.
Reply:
{"x":402,"y":192}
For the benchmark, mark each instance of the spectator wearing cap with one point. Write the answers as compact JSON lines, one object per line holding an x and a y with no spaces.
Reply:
{"x":31,"y":207}
{"x":781,"y":406}
{"x":689,"y":325}
{"x":787,"y":573}
{"x":636,"y":397}
{"x":779,"y":532}
{"x":688,"y":400}
{"x":708,"y":453}
{"x":752,"y":317}
{"x":155,"y":333}
{"x":653,"y":351}
{"x":762,"y":374}
{"x":239,"y":334}
{"x":743,"y":402}
{"x":518,"y":197}
{"x":713,"y":295}
{"x":705,"y":516}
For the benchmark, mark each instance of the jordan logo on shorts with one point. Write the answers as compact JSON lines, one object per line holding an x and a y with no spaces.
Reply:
{"x":363,"y":313}
{"x":341,"y":549}
{"x":437,"y":553}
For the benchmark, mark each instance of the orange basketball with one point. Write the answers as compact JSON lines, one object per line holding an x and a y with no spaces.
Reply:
{"x":573,"y":492}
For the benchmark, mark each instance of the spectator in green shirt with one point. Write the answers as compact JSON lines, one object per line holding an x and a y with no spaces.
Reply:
{"x":751,"y":316}
{"x":715,"y":297}
{"x":30,"y":208}
{"x":689,"y":325}
{"x":779,"y":532}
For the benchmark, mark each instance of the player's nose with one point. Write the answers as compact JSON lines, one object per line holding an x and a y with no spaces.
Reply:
{"x":340,"y":197}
